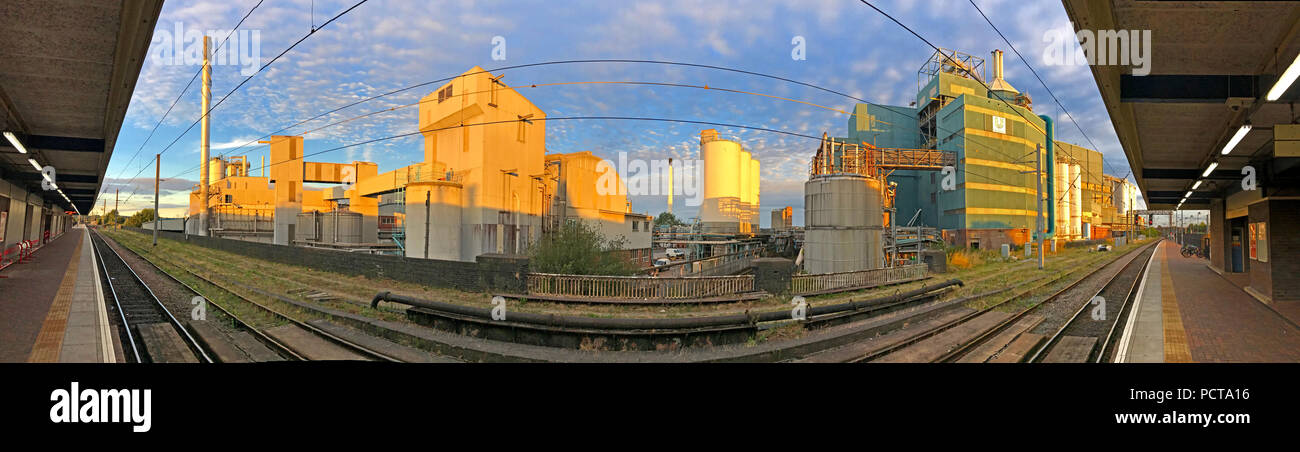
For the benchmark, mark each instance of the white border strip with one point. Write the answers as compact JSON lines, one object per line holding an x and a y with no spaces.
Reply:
{"x":105,"y":334}
{"x":1122,"y":354}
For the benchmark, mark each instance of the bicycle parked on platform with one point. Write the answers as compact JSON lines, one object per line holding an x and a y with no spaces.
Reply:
{"x":1195,"y":251}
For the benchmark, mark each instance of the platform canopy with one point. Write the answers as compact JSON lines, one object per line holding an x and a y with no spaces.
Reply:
{"x":1212,"y":62}
{"x":67,"y":72}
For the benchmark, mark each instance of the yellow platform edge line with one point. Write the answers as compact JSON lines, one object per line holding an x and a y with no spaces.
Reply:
{"x":49,"y":341}
{"x":1176,"y":348}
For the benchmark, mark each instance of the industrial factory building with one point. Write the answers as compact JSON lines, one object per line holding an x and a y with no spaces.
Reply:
{"x":992,"y":202}
{"x":783,"y":219}
{"x":486,"y":185}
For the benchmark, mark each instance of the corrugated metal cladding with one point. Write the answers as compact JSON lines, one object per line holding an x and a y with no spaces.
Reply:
{"x":995,"y":144}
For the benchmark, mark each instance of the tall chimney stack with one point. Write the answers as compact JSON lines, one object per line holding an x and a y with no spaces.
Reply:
{"x":203,"y":142}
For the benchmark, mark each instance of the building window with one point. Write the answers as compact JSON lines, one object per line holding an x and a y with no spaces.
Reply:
{"x":228,"y":200}
{"x":444,"y":94}
{"x":634,"y":225}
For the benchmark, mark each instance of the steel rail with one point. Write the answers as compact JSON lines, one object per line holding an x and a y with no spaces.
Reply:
{"x":194,"y":345}
{"x":304,"y":325}
{"x":259,"y":334}
{"x":1051,"y":341}
{"x":961,"y":349}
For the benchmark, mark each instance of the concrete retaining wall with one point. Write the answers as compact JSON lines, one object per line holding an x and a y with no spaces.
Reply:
{"x":492,"y":272}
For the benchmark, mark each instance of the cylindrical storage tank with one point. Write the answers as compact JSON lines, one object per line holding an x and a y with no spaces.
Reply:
{"x":754,"y":211}
{"x":843,"y":221}
{"x":308,"y":228}
{"x":721,"y":182}
{"x":741,"y":211}
{"x":340,"y":227}
{"x":433,"y":217}
{"x":1062,"y":199}
{"x":216,"y":170}
{"x":1076,"y":202}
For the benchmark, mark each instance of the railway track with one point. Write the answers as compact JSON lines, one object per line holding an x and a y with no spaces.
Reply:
{"x":291,"y":342}
{"x":150,"y":331}
{"x":1089,"y":334}
{"x":952,"y":335}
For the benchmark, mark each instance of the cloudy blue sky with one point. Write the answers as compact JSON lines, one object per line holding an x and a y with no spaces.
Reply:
{"x":385,"y":45}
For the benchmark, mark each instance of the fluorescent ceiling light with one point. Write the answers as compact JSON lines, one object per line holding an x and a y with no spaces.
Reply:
{"x":35,"y":165}
{"x":1236,"y":138}
{"x":1288,"y":77}
{"x":1210,"y":169}
{"x":1188,"y":195}
{"x":14,"y":141}
{"x":1197,"y":185}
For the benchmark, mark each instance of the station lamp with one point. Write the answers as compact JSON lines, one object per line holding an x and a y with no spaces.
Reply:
{"x":1236,"y":138}
{"x":1210,"y":169}
{"x":1197,"y":185}
{"x":35,"y":165}
{"x":1288,"y":77}
{"x":14,"y":141}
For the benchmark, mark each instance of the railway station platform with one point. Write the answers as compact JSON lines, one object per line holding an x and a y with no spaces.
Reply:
{"x":52,"y":306}
{"x":1187,"y":312}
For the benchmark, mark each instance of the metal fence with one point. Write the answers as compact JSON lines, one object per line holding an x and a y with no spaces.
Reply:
{"x":638,"y":287}
{"x":808,"y":284}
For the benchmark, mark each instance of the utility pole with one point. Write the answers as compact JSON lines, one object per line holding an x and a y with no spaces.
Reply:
{"x":203,"y":142}
{"x":156,"y":173}
{"x":1038,"y":195}
{"x":117,"y":197}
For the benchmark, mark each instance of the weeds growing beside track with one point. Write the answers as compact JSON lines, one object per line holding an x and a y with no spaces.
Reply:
{"x":292,"y":280}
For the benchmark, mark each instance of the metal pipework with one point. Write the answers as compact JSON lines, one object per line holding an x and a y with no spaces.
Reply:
{"x":734,"y":320}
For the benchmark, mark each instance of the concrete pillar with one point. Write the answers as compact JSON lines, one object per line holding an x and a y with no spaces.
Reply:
{"x":936,"y":259}
{"x":1283,"y":235}
{"x":773,"y":274}
{"x":504,"y":272}
{"x":287,"y":174}
{"x":1219,"y":240}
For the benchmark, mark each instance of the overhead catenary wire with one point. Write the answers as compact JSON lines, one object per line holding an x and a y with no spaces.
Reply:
{"x":127,"y":165}
{"x":1044,"y":83}
{"x":553,"y":118}
{"x":955,"y":64}
{"x":972,"y":76}
{"x":250,"y":77}
{"x":540,"y":85}
{"x":707,"y":87}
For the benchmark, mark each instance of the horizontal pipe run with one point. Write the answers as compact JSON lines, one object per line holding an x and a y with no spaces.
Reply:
{"x":734,"y":320}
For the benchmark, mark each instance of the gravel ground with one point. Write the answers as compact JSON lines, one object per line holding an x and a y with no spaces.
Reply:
{"x":1057,"y":312}
{"x":173,"y":295}
{"x":1114,"y":294}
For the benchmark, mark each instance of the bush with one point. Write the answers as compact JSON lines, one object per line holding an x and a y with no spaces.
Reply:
{"x":577,"y":248}
{"x":141,"y":217}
